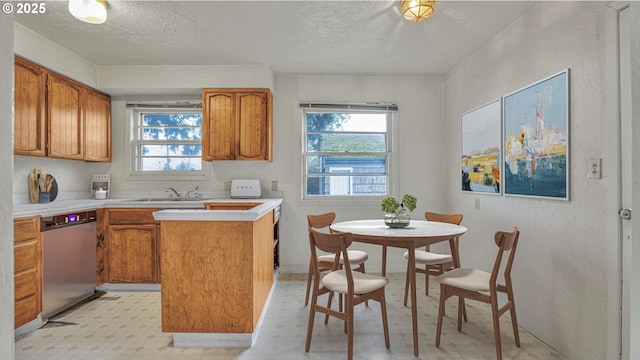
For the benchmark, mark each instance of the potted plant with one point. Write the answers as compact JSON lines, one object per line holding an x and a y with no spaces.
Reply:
{"x":395,"y":213}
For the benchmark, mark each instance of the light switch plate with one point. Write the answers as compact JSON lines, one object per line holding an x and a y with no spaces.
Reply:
{"x":594,"y":170}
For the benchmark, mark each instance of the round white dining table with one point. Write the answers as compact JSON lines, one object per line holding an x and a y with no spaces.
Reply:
{"x":418,"y":233}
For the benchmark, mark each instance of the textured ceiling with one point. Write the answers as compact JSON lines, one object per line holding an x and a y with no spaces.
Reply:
{"x":303,"y":37}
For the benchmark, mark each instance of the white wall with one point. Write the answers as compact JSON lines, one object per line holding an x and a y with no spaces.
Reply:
{"x":43,"y":51}
{"x":560,"y":270}
{"x":121,"y":81}
{"x":6,"y":208}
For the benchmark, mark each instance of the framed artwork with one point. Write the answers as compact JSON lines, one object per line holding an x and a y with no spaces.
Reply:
{"x":536,"y":139}
{"x":481,"y":148}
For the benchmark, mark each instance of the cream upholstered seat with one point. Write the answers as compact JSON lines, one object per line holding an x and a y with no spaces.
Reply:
{"x":356,"y":257}
{"x":434,"y":263}
{"x":483,"y":286}
{"x":355,"y":287}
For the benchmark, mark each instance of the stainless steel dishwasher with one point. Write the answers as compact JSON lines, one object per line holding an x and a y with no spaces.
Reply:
{"x":68,"y":260}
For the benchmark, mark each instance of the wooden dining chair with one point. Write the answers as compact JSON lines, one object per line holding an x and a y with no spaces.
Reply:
{"x":482,"y":286}
{"x":356,"y":287}
{"x":434,"y":263}
{"x":325,"y":262}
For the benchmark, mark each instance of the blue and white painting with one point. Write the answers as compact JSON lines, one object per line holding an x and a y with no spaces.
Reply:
{"x":536,"y":139}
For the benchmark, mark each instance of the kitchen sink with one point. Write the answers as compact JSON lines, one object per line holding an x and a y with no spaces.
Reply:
{"x":168,"y":199}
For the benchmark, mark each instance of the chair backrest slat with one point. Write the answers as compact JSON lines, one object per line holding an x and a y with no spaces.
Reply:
{"x":334,"y":243}
{"x":507,"y":242}
{"x":447,"y":218}
{"x":321,"y":221}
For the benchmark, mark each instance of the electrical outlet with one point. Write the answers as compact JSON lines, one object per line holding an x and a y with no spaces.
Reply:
{"x":274,"y":186}
{"x":594,"y":170}
{"x":477,"y":203}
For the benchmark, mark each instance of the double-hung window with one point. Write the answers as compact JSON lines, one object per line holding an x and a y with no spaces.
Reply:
{"x":347,"y":150}
{"x":166,"y":140}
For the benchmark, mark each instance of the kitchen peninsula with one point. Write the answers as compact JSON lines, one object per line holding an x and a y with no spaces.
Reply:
{"x":217,"y":269}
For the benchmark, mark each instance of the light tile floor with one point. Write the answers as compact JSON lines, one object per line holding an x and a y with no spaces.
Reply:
{"x":127,"y":325}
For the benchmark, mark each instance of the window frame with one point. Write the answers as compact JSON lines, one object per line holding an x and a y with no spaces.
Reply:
{"x":135,"y":111}
{"x":390,"y":110}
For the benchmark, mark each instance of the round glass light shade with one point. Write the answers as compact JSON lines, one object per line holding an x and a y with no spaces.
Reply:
{"x":89,"y":11}
{"x":417,"y":10}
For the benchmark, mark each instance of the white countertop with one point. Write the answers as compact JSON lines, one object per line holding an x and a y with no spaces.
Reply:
{"x":171,"y":210}
{"x":252,"y":214}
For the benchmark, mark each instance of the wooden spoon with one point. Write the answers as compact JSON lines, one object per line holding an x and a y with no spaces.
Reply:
{"x":49,"y":182}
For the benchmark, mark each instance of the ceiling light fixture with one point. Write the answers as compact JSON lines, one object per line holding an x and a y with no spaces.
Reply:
{"x":89,"y":11}
{"x":417,"y":10}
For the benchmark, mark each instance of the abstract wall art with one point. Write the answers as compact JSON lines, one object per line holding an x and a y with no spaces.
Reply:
{"x":536,"y":139}
{"x":481,"y":144}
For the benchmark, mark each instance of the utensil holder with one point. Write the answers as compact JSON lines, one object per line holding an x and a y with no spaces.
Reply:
{"x":45,"y":197}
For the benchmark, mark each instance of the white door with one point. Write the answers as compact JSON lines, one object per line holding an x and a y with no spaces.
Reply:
{"x":626,"y":144}
{"x":340,"y":185}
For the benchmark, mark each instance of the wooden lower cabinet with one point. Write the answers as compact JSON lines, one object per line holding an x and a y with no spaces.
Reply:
{"x":27,"y":269}
{"x":132,"y":254}
{"x":132,"y":243}
{"x":216,"y":275}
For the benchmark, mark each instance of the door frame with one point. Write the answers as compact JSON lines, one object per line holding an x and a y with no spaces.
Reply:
{"x":616,"y":335}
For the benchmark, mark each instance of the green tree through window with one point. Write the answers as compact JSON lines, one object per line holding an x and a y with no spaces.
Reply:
{"x":168,"y":141}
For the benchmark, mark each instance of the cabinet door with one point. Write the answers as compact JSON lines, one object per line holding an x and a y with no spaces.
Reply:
{"x":27,"y":272}
{"x":251,"y":126}
{"x":97,"y":126}
{"x":218,"y":125}
{"x":64,"y":106}
{"x":29,"y":109}
{"x":132,"y":254}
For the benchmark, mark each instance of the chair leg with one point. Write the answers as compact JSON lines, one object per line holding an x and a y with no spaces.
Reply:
{"x":309,"y":278}
{"x":349,"y":325}
{"x":326,"y":317}
{"x":361,"y":269}
{"x":440,"y":313}
{"x":464,"y":311}
{"x":496,"y":327}
{"x":385,"y":323}
{"x":426,"y":280}
{"x":312,"y":315}
{"x":460,"y":312}
{"x":406,"y":286}
{"x":514,"y":323}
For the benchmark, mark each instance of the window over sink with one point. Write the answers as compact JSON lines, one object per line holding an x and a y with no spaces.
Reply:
{"x":347,"y":150}
{"x":166,"y":140}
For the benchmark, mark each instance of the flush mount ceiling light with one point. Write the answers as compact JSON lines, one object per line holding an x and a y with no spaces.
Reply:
{"x":417,"y":10}
{"x":89,"y":11}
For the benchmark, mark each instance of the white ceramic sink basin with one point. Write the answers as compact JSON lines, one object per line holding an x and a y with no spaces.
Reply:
{"x":167,"y":199}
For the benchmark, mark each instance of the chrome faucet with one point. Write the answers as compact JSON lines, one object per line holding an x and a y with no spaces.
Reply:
{"x":196,"y":194}
{"x":172,"y":191}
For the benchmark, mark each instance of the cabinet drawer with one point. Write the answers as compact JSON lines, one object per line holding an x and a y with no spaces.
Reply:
{"x":26,"y":310}
{"x":26,"y":229}
{"x":26,"y":284}
{"x":131,"y":216}
{"x":26,"y":256}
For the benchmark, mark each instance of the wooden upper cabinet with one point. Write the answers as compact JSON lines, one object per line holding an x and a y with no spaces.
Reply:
{"x":97,"y":126}
{"x":252,"y":126}
{"x":237,"y":124}
{"x":66,"y":126}
{"x":59,"y":117}
{"x":218,"y":125}
{"x":29,"y":109}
